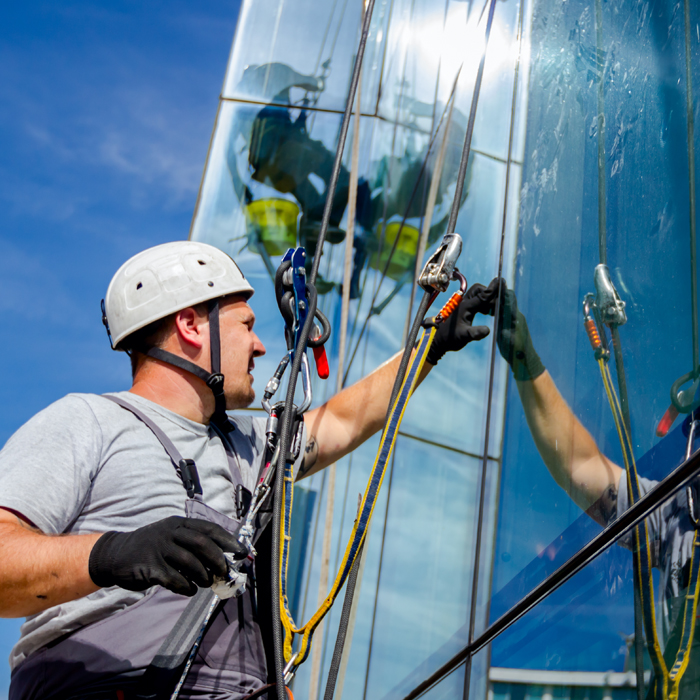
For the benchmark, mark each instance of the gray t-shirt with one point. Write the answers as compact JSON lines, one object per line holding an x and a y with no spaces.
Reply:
{"x":671,"y":534}
{"x":86,"y":465}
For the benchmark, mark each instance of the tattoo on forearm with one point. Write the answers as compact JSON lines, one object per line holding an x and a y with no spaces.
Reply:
{"x":604,"y":510}
{"x":310,"y":456}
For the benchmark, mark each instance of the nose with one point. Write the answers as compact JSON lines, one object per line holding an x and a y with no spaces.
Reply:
{"x":258,"y":347}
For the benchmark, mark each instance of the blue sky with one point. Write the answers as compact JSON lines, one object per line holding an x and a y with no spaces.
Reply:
{"x":106,"y":110}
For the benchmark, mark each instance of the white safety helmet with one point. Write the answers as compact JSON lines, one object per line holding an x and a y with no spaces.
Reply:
{"x":167,"y":278}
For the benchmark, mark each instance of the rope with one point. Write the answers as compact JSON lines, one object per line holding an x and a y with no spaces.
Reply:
{"x":345,"y":124}
{"x":400,"y":397}
{"x":284,"y":469}
{"x":344,"y":315}
{"x":621,"y":376}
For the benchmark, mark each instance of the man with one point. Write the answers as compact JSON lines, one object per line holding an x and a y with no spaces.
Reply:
{"x":114,"y":509}
{"x":595,"y":483}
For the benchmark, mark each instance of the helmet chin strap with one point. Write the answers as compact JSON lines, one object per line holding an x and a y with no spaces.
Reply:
{"x":214,"y":379}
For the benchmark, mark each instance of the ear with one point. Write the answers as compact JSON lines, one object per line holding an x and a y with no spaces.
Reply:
{"x":191,"y":327}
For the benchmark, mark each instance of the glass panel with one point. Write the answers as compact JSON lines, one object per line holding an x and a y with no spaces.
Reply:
{"x":611,"y":190}
{"x":277,"y":70}
{"x":579,"y":641}
{"x":426,"y":576}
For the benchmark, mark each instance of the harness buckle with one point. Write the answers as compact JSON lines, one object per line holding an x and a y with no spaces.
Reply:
{"x":437,"y":273}
{"x":190,"y":477}
{"x":216,"y":383}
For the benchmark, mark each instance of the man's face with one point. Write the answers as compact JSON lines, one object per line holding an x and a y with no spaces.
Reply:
{"x":239,"y":347}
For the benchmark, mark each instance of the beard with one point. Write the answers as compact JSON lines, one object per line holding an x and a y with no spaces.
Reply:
{"x":241,"y":395}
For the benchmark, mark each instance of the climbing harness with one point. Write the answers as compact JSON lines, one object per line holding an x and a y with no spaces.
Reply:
{"x":183,"y":641}
{"x":606,"y":309}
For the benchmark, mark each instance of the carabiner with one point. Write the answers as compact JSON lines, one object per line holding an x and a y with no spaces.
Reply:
{"x":452,"y":303}
{"x":274,"y":383}
{"x":290,"y":669}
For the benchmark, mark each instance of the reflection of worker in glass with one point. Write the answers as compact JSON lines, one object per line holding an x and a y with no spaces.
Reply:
{"x":403,"y":191}
{"x":596,"y":484}
{"x":282,"y":155}
{"x":405,"y":170}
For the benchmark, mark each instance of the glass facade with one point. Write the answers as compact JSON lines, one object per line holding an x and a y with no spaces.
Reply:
{"x":582,"y":155}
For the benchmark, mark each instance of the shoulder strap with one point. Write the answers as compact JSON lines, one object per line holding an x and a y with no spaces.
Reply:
{"x":185,"y":468}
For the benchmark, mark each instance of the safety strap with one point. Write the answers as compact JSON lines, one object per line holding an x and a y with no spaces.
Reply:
{"x":361,"y":523}
{"x":186,"y":468}
{"x":666,"y":681}
{"x":188,"y":631}
{"x":176,"y":650}
{"x":214,"y":379}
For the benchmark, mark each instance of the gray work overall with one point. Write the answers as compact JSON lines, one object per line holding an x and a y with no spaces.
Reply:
{"x":106,"y":659}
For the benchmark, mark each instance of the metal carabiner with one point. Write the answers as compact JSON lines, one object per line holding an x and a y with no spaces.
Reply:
{"x":274,"y":383}
{"x":452,"y":303}
{"x":684,"y":399}
{"x":290,"y":669}
{"x":306,"y":383}
{"x":439,"y":269}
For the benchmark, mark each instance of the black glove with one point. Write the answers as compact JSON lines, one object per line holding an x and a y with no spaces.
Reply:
{"x":176,"y":553}
{"x":512,"y":334}
{"x":454,"y":333}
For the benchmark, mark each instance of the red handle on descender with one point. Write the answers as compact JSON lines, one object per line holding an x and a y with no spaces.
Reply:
{"x":321,"y":362}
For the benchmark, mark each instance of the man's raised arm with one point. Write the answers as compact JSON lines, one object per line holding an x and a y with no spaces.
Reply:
{"x":352,"y":416}
{"x":566,"y":447}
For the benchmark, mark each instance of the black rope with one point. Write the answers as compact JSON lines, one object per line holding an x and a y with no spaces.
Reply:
{"x":284,"y":442}
{"x":343,"y":626}
{"x":300,"y":351}
{"x":487,"y":430}
{"x":690,"y":118}
{"x":466,"y":150}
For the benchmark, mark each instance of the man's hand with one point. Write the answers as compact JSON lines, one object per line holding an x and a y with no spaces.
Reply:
{"x":457,"y":330}
{"x":176,"y":553}
{"x":513,"y":336}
